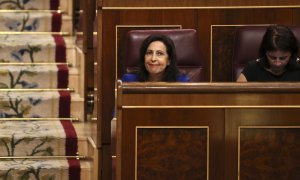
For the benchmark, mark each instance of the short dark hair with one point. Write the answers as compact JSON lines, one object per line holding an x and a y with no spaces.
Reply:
{"x":278,"y":37}
{"x":171,"y":71}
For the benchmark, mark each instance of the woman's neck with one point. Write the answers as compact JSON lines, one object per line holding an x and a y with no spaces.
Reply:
{"x":155,"y":77}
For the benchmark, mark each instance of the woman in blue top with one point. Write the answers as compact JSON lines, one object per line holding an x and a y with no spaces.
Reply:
{"x":157,"y":62}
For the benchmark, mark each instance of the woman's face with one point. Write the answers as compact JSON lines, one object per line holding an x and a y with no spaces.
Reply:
{"x":156,"y":58}
{"x":278,"y":59}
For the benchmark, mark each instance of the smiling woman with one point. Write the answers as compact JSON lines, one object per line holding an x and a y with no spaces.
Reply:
{"x":279,"y":60}
{"x":157,"y":62}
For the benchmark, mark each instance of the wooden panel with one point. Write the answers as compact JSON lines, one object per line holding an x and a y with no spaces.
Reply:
{"x":211,"y":94}
{"x":244,"y":142}
{"x":171,"y":152}
{"x":201,"y":122}
{"x":222,"y":53}
{"x":269,"y":153}
{"x":210,"y":99}
{"x":261,"y":129}
{"x":195,"y":3}
{"x":296,"y":16}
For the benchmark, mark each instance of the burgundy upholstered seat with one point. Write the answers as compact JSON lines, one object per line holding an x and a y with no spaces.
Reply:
{"x":187,"y":51}
{"x":247,"y":44}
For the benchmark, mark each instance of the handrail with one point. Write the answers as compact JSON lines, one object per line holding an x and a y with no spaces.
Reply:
{"x":233,"y":87}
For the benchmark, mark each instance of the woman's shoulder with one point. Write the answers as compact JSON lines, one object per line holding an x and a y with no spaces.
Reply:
{"x":254,"y":64}
{"x":183,"y":78}
{"x":130,"y":77}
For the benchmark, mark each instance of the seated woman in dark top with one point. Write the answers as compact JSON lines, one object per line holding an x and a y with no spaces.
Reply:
{"x":278,"y":62}
{"x":157,"y":62}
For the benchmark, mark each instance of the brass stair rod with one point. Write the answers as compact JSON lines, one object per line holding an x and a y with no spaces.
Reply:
{"x":30,"y":11}
{"x":33,"y":32}
{"x":29,"y":63}
{"x":42,"y":157}
{"x":35,"y":90}
{"x":39,"y":119}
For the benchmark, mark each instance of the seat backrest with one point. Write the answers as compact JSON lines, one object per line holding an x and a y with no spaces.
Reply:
{"x":187,"y":51}
{"x":247,"y":44}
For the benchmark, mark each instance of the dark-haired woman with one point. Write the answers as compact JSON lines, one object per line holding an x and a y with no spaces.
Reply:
{"x":279,"y":60}
{"x":157,"y":62}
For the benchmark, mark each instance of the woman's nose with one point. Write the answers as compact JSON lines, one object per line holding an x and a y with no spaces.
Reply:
{"x":277,"y":62}
{"x":153,"y":57}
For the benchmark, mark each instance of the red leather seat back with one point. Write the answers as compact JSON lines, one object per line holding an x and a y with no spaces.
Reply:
{"x":247,"y":44}
{"x":187,"y":50}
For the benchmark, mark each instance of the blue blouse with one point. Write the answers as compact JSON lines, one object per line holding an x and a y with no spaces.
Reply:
{"x":130,"y":77}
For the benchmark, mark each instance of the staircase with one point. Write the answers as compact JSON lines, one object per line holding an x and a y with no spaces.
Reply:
{"x":44,"y":133}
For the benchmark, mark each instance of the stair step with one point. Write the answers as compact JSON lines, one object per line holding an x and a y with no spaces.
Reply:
{"x":40,"y":76}
{"x":30,"y":5}
{"x":72,"y":169}
{"x":25,"y":48}
{"x":40,"y":104}
{"x":35,"y":21}
{"x":34,"y":76}
{"x":67,"y":24}
{"x":64,"y":5}
{"x":42,"y":138}
{"x":84,"y":140}
{"x":32,"y":48}
{"x":29,"y":104}
{"x":37,"y":138}
{"x":77,"y":106}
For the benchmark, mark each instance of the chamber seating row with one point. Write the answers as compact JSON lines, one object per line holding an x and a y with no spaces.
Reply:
{"x":246,"y":48}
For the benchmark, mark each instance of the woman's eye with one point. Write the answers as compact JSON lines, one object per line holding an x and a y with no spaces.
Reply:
{"x":159,"y":54}
{"x":283,"y":58}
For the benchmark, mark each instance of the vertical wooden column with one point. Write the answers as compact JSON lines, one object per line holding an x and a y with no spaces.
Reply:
{"x":104,"y":102}
{"x":88,"y":20}
{"x":89,"y":11}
